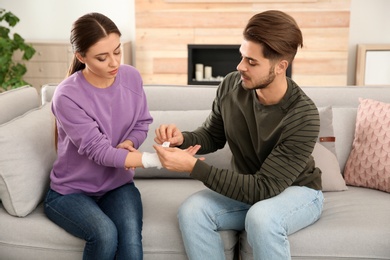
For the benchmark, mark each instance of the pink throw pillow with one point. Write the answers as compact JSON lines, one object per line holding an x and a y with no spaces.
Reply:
{"x":368,"y":164}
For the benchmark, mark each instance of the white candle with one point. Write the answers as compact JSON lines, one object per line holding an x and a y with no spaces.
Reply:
{"x":199,"y":75}
{"x":207,"y":72}
{"x":199,"y":67}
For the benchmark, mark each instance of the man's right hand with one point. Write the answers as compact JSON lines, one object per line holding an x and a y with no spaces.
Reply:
{"x":169,"y":133}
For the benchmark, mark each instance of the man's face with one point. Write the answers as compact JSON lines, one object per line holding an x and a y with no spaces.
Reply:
{"x":256,"y":71}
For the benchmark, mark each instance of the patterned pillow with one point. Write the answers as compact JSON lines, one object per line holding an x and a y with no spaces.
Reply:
{"x":368,"y":164}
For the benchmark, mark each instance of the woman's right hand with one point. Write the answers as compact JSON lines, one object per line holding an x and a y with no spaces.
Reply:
{"x":169,"y":133}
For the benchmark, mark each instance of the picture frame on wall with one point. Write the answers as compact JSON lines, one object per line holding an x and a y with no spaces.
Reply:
{"x":373,"y":64}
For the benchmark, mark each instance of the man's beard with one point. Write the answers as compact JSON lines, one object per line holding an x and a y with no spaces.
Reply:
{"x":264,"y":83}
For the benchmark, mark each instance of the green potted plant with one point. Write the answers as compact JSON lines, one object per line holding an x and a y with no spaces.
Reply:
{"x":11,"y":71}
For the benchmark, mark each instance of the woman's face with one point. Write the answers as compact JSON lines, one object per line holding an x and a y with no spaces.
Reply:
{"x":102,"y":60}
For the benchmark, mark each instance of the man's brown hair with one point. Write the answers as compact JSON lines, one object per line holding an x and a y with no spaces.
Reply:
{"x":277,"y":32}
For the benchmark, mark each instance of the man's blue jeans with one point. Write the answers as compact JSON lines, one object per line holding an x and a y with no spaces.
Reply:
{"x":267,"y":223}
{"x":111,"y":225}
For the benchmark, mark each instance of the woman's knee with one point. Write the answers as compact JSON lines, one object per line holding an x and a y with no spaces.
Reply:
{"x":101,"y":242}
{"x":104,"y":234}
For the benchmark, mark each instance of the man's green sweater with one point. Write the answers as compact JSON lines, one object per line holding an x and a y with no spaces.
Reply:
{"x":271,"y":145}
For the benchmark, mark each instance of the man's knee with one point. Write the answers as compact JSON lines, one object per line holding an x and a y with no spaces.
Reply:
{"x":260,"y":219}
{"x":192,"y":207}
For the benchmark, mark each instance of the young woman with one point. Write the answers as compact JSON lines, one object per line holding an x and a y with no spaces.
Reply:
{"x":102,"y":118}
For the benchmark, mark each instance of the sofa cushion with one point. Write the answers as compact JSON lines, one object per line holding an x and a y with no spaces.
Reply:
{"x":26,"y":157}
{"x":161,"y":199}
{"x":332,"y":180}
{"x":35,"y":237}
{"x":16,"y":102}
{"x":354,"y":225}
{"x":369,"y":162}
{"x":186,"y":121}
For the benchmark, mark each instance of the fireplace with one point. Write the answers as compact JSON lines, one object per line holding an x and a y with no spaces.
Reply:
{"x":209,"y":63}
{"x":216,"y":59}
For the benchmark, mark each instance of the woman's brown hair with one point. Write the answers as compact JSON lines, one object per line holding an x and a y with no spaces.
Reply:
{"x":277,"y":32}
{"x":86,"y":31}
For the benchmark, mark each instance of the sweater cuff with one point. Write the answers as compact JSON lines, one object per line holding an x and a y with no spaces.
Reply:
{"x":120,"y":158}
{"x":186,"y":142}
{"x":200,"y":171}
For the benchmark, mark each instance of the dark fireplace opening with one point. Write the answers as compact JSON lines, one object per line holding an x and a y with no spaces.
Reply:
{"x":209,"y":63}
{"x":222,"y":59}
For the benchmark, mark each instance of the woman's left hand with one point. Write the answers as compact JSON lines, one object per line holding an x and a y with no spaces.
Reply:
{"x":127,"y":144}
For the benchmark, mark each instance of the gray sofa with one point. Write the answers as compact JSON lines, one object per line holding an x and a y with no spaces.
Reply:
{"x":355,"y":223}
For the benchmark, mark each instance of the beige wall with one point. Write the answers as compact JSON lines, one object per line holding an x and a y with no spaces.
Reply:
{"x":165,"y":27}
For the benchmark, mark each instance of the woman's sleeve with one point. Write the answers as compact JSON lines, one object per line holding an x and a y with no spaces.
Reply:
{"x":84,"y":133}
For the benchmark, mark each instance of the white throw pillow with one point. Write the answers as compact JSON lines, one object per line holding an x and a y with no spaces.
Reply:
{"x":27,"y":154}
{"x":332,"y":180}
{"x":325,"y":153}
{"x":326,"y":135}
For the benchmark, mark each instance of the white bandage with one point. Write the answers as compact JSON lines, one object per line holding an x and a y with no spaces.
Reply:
{"x":151,"y":160}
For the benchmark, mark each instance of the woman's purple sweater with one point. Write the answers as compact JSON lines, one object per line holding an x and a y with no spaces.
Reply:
{"x":91,"y":123}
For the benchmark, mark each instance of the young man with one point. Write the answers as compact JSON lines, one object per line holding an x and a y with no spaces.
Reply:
{"x":271,"y":126}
